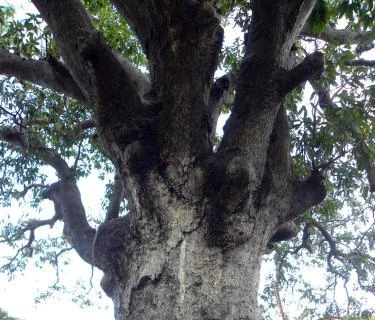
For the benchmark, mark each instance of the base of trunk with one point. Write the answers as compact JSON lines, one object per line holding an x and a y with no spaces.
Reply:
{"x":191,"y":281}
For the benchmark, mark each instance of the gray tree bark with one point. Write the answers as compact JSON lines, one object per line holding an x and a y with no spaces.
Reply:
{"x":199,"y":221}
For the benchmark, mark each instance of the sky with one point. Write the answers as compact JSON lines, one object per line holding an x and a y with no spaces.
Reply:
{"x":17,"y":296}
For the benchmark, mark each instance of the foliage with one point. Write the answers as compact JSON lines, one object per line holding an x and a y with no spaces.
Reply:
{"x":338,"y":137}
{"x":4,"y":315}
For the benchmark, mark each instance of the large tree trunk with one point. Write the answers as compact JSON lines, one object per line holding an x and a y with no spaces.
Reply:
{"x":181,"y":259}
{"x":192,"y":245}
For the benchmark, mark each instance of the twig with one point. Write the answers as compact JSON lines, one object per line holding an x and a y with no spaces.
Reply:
{"x":274,"y":285}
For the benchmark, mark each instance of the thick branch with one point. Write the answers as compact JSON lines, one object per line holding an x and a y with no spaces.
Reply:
{"x":64,"y":194}
{"x":274,"y":40}
{"x":56,"y":14}
{"x":114,"y":78}
{"x":278,"y":159}
{"x":67,"y":200}
{"x":342,"y":36}
{"x":311,"y":68}
{"x":99,"y":72}
{"x":304,"y":195}
{"x":48,"y":74}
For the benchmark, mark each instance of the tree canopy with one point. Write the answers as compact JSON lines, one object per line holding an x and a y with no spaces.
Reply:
{"x":45,"y":122}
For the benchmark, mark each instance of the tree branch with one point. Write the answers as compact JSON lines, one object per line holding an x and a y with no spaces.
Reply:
{"x":8,"y":266}
{"x":287,"y":23}
{"x":75,"y":34}
{"x":303,"y":195}
{"x":56,"y":13}
{"x":361,"y":62}
{"x":111,"y":83}
{"x":68,"y":206}
{"x":27,"y":144}
{"x":49,"y":74}
{"x":64,"y":193}
{"x":258,"y":97}
{"x":365,"y":46}
{"x":31,"y":226}
{"x":117,"y":196}
{"x":342,"y":36}
{"x":22,"y":193}
{"x":114,"y":77}
{"x":35,"y":224}
{"x":306,"y":242}
{"x":340,"y":255}
{"x":311,"y":68}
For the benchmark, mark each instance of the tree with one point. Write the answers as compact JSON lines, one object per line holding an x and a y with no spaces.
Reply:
{"x":201,"y":210}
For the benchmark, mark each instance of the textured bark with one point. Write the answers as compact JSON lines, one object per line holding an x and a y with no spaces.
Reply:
{"x":199,"y":221}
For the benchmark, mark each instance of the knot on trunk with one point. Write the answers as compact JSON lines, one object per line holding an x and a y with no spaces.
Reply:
{"x":240,"y":172}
